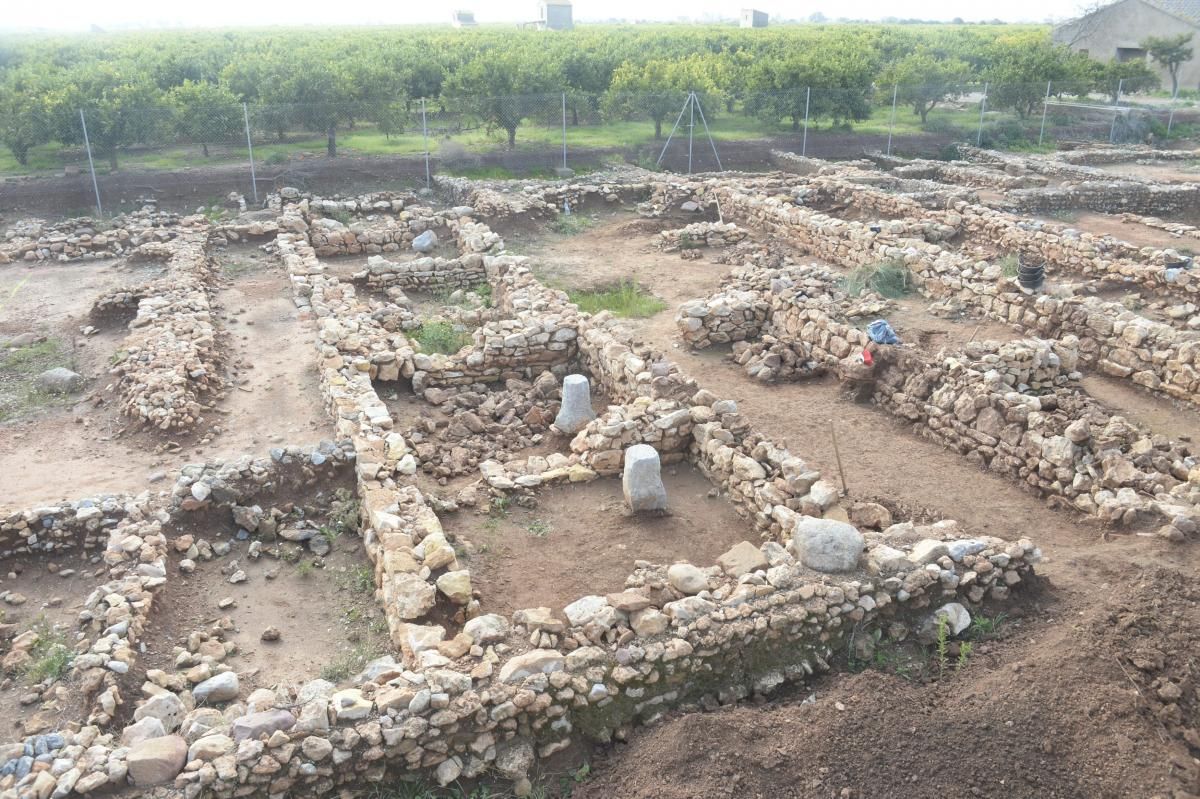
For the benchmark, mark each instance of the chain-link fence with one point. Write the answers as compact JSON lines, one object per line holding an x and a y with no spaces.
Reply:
{"x":114,"y":157}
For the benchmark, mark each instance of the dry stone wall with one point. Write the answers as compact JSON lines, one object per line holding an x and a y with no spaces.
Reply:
{"x":85,"y":238}
{"x":170,"y":355}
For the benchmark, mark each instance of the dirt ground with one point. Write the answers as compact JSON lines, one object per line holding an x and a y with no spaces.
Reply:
{"x":578,"y":541}
{"x":1165,"y":172}
{"x":273,"y":396}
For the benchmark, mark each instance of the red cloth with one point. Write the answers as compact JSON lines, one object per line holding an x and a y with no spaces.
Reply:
{"x":867,"y":359}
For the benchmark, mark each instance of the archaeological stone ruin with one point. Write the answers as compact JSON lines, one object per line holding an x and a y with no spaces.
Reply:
{"x":456,"y":387}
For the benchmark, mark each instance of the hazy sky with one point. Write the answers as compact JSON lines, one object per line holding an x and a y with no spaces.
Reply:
{"x":81,"y":14}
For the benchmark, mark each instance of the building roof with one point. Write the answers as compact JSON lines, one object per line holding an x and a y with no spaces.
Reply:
{"x":1187,"y":10}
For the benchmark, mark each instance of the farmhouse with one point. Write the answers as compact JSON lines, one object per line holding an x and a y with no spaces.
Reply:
{"x":1116,"y":31}
{"x":753,"y":19}
{"x":555,"y":15}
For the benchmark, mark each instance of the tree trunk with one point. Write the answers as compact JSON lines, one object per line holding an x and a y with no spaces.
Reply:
{"x":795,"y":123}
{"x":112,"y":160}
{"x":512,"y":137}
{"x":658,"y":128}
{"x":924,"y":112}
{"x":575,"y":115}
{"x":204,"y":148}
{"x":21,"y":153}
{"x":1174,"y":82}
{"x":331,"y":143}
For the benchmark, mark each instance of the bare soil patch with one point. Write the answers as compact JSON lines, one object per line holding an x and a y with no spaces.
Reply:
{"x":578,"y":541}
{"x":88,"y":447}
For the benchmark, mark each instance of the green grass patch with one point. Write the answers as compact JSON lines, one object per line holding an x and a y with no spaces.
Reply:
{"x":539,"y":528}
{"x":1010,"y":264}
{"x":571,"y":224}
{"x":19,"y":369}
{"x":50,"y":655}
{"x":443,"y":337}
{"x":350,"y":662}
{"x":626,"y":299}
{"x":889,"y":279}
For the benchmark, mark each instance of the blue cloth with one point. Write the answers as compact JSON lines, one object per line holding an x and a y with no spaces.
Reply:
{"x":881,"y":332}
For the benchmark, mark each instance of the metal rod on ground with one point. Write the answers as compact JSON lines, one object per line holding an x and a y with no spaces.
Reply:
{"x":804,"y":141}
{"x":1045,"y":105}
{"x":982,"y":109}
{"x":1112,"y":130}
{"x":91,"y":166}
{"x":564,"y":130}
{"x":892,"y":121}
{"x":425,"y":135}
{"x":837,"y":453}
{"x":674,"y":128}
{"x":711,"y":142}
{"x":691,"y":127}
{"x":1171,"y":118}
{"x":250,"y":148}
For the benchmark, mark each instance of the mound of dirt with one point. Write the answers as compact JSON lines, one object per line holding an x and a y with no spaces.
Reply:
{"x":1093,"y":701}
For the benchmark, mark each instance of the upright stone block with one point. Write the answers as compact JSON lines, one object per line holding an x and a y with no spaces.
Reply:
{"x":576,"y":410}
{"x":642,"y":480}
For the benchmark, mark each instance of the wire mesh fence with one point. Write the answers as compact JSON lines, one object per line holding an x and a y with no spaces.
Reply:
{"x":121,"y":154}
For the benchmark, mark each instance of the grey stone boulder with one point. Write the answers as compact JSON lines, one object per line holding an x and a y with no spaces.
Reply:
{"x":220,"y":688}
{"x":576,"y":409}
{"x":157,"y":760}
{"x":957,"y":617}
{"x":827,"y":545}
{"x":60,"y":380}
{"x":425,"y":242}
{"x":642,"y":480}
{"x":265,"y":722}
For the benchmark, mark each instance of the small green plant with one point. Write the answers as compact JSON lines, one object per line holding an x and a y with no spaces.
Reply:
{"x":964,"y":653}
{"x":1010,"y":264}
{"x":626,"y":299}
{"x":499,"y":507}
{"x":350,"y":662}
{"x":305,"y":568}
{"x":277,"y":158}
{"x":539,"y":528}
{"x":943,"y":643}
{"x":984,"y":627}
{"x":889,"y":279}
{"x":689,"y":242}
{"x":214,"y":213}
{"x":484,"y":292}
{"x":330,"y":532}
{"x":570,"y":224}
{"x":19,"y":368}
{"x":341,"y":216}
{"x":50,"y":657}
{"x":362,"y":579}
{"x":441,"y":337}
{"x":118,"y":357}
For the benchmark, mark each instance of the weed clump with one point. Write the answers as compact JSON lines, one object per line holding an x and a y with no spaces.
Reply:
{"x":441,"y":337}
{"x":626,"y":299}
{"x":889,"y":279}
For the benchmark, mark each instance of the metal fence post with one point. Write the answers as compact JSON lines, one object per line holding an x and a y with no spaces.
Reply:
{"x":982,"y":109}
{"x":804,"y":142}
{"x":1171,"y":118}
{"x":91,"y":165}
{"x":892,"y":121}
{"x":250,"y":147}
{"x":1045,"y":105}
{"x":425,"y":136}
{"x":564,"y":99}
{"x":691,"y":126}
{"x":1112,"y":130}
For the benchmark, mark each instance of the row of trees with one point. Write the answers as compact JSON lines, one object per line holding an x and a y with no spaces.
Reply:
{"x":142,"y":88}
